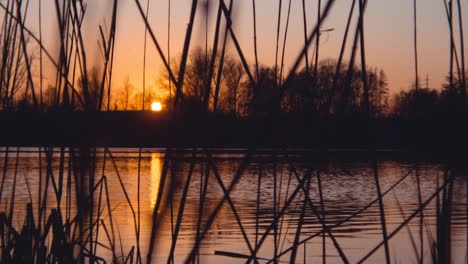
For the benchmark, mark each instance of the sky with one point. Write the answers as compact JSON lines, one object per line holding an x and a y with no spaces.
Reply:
{"x":388,"y":35}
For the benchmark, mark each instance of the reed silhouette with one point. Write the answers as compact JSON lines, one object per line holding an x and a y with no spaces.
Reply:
{"x":71,"y":213}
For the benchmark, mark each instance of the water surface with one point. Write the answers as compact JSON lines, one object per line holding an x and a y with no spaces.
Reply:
{"x":267,"y":187}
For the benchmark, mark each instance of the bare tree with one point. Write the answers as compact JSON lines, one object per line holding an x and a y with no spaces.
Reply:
{"x":233,"y":100}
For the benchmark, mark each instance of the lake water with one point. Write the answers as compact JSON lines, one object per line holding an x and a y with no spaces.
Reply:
{"x":268,"y":186}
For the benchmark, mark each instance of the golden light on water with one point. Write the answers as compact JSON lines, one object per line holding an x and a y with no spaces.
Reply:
{"x":155,"y":178}
{"x":156,"y":106}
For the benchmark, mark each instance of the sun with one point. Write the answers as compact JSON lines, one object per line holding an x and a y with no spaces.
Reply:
{"x":156,"y":106}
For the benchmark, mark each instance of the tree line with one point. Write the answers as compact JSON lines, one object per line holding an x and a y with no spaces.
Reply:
{"x":315,"y":90}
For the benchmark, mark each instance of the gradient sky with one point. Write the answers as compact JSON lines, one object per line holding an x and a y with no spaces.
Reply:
{"x":388,"y":29}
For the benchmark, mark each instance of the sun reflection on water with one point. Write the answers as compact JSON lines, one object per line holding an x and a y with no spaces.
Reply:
{"x":156,"y":166}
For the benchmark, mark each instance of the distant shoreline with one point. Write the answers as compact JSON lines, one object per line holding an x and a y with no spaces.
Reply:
{"x":127,"y":129}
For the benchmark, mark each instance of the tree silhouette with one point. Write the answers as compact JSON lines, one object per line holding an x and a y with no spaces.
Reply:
{"x":346,"y":98}
{"x":233,"y":95}
{"x":452,"y":100}
{"x":416,"y":103}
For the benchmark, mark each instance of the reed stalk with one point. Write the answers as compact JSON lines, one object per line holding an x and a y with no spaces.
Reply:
{"x":183,"y":62}
{"x":462,"y":51}
{"x":213,"y":215}
{"x":402,"y":225}
{"x":284,"y":42}
{"x":317,"y":41}
{"x":221,"y":60}
{"x":254,"y":15}
{"x":212,"y":60}
{"x":278,"y":28}
{"x":416,"y":71}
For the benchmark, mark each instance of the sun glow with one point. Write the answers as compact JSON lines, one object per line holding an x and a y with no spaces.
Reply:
{"x":156,"y":106}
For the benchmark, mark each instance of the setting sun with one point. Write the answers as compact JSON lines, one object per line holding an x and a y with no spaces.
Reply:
{"x":156,"y":106}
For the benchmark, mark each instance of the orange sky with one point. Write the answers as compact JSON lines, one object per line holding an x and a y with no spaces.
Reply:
{"x":389,"y":35}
